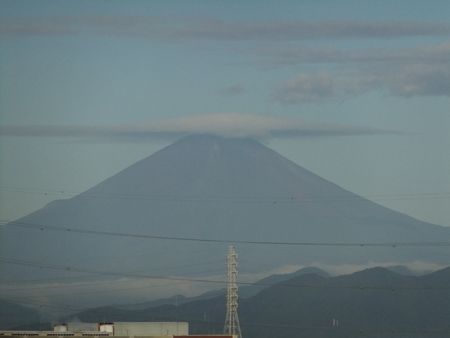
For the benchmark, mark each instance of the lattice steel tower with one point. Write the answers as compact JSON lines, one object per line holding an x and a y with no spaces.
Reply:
{"x":232,"y":326}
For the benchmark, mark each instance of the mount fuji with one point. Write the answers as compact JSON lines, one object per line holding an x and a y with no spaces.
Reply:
{"x":212,"y":187}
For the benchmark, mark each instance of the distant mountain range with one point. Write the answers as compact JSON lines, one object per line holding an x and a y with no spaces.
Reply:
{"x":375,"y":302}
{"x":251,"y":290}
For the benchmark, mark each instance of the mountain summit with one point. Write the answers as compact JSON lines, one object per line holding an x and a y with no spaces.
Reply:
{"x":211,"y":187}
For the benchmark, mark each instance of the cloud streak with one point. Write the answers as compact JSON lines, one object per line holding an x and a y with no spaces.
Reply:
{"x":188,"y":28}
{"x":223,"y":124}
{"x":410,"y":80}
{"x":232,"y":90}
{"x":437,"y":53}
{"x":402,"y":72}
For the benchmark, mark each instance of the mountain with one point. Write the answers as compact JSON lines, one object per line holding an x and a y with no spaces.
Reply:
{"x":251,"y":290}
{"x":210,"y":187}
{"x":374,"y":302}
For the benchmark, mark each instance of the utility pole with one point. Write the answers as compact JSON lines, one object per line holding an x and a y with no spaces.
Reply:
{"x":232,"y":326}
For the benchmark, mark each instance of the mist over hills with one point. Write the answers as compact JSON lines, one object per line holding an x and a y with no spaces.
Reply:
{"x":373,"y":302}
{"x":211,"y":187}
{"x":244,"y":291}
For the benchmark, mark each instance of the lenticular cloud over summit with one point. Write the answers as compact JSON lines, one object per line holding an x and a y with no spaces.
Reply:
{"x":255,"y":126}
{"x":221,"y":124}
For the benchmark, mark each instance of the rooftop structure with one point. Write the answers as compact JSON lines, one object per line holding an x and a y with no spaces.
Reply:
{"x":117,"y":329}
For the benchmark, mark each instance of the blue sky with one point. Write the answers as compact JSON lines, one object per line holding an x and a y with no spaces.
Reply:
{"x":357,"y":65}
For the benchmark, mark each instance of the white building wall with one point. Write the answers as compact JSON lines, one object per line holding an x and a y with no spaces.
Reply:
{"x":150,"y":328}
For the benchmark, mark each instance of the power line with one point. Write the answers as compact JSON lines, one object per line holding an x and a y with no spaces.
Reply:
{"x":41,"y":304}
{"x":105,"y":273}
{"x":15,"y":281}
{"x":81,"y":293}
{"x":261,"y":198}
{"x":208,"y":281}
{"x":43,"y":227}
{"x":87,"y":284}
{"x":87,"y":276}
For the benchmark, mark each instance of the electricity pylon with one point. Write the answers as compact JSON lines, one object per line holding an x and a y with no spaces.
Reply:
{"x":232,"y":326}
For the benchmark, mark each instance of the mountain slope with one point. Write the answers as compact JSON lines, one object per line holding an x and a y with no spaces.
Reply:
{"x":14,"y":315}
{"x":213,"y":187}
